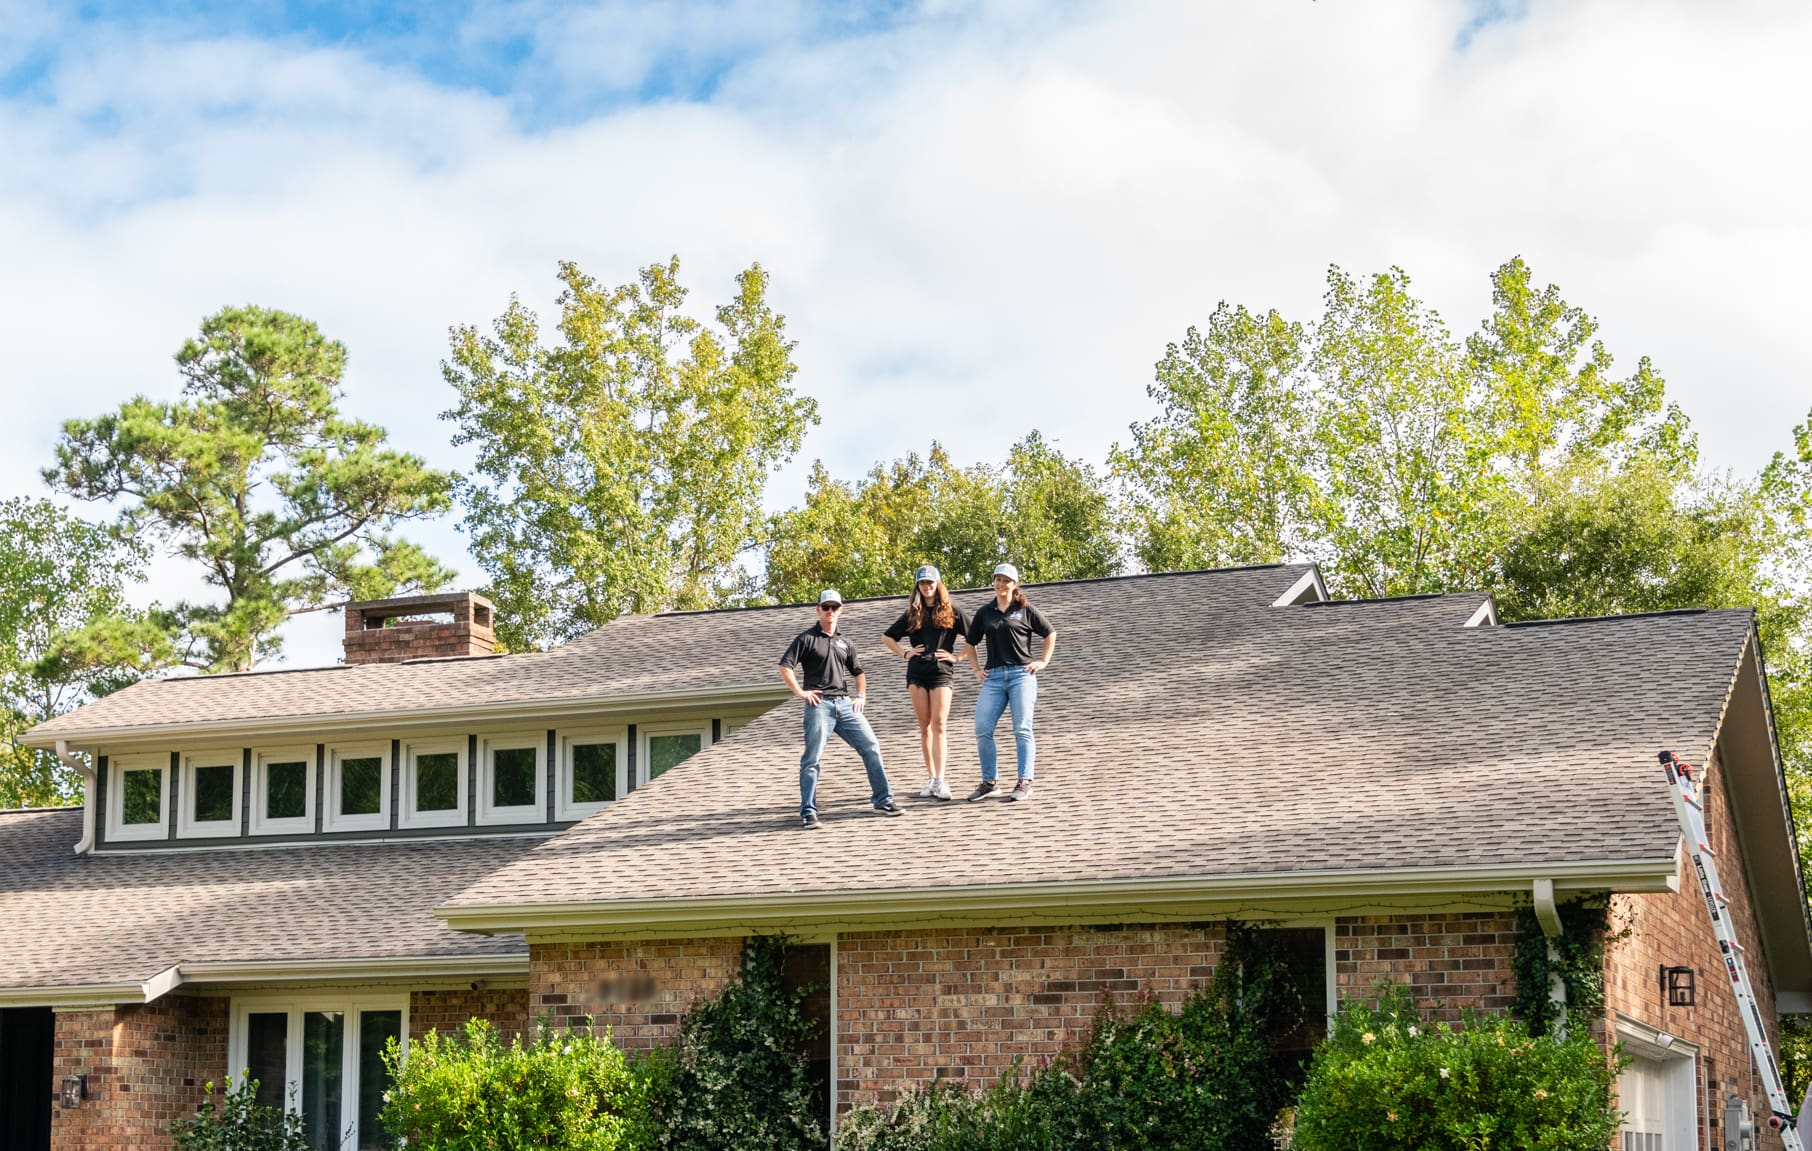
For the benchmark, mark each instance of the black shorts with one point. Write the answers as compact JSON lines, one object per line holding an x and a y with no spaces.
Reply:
{"x":933,"y":679}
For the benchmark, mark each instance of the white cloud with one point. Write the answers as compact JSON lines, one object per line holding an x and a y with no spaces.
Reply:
{"x":977,"y":223}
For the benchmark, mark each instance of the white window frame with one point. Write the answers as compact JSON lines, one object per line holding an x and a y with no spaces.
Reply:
{"x":296,"y":1007}
{"x":187,"y":826}
{"x":117,"y":767}
{"x":645,"y":733}
{"x":331,"y":819}
{"x":1678,"y":1060}
{"x":262,"y":758}
{"x":564,"y":807}
{"x":412,"y":749}
{"x":489,"y":813}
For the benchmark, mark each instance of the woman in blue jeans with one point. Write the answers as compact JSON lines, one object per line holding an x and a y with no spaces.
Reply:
{"x":1008,"y":624}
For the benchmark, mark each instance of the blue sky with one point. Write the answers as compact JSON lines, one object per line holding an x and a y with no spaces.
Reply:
{"x":996,"y":212}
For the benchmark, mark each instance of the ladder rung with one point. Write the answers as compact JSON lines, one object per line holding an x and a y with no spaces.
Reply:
{"x":1705,"y":849}
{"x":1691,"y":802}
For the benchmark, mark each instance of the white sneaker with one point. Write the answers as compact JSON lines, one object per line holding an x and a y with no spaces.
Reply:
{"x":942,"y":789}
{"x":929,"y":791}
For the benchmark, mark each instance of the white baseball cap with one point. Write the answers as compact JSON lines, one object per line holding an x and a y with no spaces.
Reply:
{"x":1007,"y":570}
{"x":927,"y":572}
{"x":831,"y":595}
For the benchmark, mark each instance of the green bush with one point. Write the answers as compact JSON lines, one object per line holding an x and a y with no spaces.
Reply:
{"x":1145,"y":1080}
{"x":1386,"y":1080}
{"x":240,"y":1123}
{"x":569,"y":1089}
{"x":737,"y":1077}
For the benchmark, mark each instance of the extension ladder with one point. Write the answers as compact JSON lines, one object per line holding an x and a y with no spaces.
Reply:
{"x":1687,"y":789}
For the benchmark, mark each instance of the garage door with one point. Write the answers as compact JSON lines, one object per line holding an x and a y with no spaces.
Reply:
{"x":1642,"y":1093}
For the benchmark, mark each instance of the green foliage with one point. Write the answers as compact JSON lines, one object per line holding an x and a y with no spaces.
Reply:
{"x":567,"y":1089}
{"x":57,"y":575}
{"x":1051,"y":515}
{"x":1149,"y":1079}
{"x":1386,"y":1079}
{"x":1374,"y":442}
{"x":622,"y":469}
{"x":256,"y":477}
{"x":239,"y":1123}
{"x":1578,"y":960}
{"x":737,"y":1076}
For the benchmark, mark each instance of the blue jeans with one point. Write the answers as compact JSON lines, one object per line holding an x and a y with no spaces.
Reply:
{"x":1005,"y":687}
{"x":839,"y":715}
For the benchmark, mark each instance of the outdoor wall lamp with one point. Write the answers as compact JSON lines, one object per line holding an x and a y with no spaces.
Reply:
{"x":1677,"y":985}
{"x":75,"y":1089}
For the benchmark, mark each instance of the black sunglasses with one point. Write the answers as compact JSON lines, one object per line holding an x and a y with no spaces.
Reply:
{"x":830,"y":607}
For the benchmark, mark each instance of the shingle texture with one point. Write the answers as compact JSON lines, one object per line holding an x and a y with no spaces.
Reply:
{"x":1186,"y":728}
{"x":73,"y":921}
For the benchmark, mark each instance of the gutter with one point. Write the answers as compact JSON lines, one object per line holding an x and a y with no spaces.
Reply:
{"x":1113,"y":900}
{"x":76,"y":764}
{"x":593,"y":706}
{"x":106,"y":996}
{"x":1548,"y":915}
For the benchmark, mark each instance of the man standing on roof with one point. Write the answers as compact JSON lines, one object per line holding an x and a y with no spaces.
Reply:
{"x":831,"y":668}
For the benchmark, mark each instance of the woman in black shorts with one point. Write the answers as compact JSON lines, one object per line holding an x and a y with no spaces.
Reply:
{"x":930,"y":626}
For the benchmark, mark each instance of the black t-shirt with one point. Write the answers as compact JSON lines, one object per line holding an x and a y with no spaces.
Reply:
{"x":829,"y":661}
{"x":1009,"y":633}
{"x":932,"y":638}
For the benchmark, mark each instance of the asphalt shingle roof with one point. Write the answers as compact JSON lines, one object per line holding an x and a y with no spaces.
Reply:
{"x":73,"y":921}
{"x":1188,"y":728}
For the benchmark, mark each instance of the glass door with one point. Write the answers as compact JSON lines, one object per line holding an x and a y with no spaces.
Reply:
{"x":324,"y":1059}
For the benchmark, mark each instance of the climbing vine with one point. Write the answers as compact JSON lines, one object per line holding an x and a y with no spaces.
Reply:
{"x":1585,"y":929}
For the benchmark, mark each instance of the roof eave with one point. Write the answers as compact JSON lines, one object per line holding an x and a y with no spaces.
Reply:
{"x":1074,"y":901}
{"x":99,"y":996}
{"x":509,"y":712}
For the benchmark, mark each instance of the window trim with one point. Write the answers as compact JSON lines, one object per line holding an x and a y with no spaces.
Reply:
{"x":331,"y":818}
{"x":564,"y":808}
{"x":645,"y":733}
{"x":187,"y":826}
{"x":262,"y":758}
{"x":411,"y":818}
{"x":534,"y":812}
{"x":118,"y":829}
{"x":296,"y":1006}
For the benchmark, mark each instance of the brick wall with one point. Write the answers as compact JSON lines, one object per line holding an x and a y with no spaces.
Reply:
{"x":447,"y":1011}
{"x":914,"y":1006}
{"x":1673,"y":929}
{"x":638,"y":990}
{"x":1451,"y":962}
{"x":146,"y":1066}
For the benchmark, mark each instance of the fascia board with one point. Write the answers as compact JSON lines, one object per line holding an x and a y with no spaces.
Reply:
{"x":351,"y":721}
{"x":859,"y":909}
{"x":329,"y":970}
{"x":88,"y":997}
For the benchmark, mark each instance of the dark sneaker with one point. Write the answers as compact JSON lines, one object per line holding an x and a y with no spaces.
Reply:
{"x":808,"y":820}
{"x":889,"y":808}
{"x":983,"y":790}
{"x":1021,"y":790}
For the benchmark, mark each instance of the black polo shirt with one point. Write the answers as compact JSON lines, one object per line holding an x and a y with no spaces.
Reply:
{"x":933,"y":639}
{"x":1009,"y":633}
{"x":828,"y":661}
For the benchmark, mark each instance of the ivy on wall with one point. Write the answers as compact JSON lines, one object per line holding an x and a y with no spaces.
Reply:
{"x":1578,"y":960}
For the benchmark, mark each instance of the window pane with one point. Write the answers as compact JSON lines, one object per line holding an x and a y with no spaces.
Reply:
{"x":214,"y":793}
{"x":594,"y":772}
{"x":1303,"y":953}
{"x":323,"y":1049}
{"x":267,"y":1053}
{"x":513,"y":777}
{"x":142,"y":800}
{"x":361,"y":784}
{"x":665,"y":751}
{"x":437,"y":781}
{"x":376,"y":1028}
{"x":285,"y":790}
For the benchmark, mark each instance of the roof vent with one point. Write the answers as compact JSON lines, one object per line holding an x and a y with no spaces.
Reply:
{"x":419,"y":627}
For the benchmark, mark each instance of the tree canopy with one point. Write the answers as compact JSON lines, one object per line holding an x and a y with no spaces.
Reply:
{"x":622,"y":468}
{"x":282,"y":503}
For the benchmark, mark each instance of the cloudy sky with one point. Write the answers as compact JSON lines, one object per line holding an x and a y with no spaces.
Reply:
{"x":999,"y":210}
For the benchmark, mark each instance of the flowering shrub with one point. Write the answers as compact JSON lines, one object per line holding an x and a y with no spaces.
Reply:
{"x":566,"y":1089}
{"x":240,"y":1123}
{"x":1386,"y":1080}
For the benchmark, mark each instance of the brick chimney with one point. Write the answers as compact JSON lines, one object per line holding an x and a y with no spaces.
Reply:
{"x":418,"y":627}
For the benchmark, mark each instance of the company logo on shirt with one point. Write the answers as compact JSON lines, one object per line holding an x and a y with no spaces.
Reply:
{"x":840,"y":643}
{"x":1016,"y":615}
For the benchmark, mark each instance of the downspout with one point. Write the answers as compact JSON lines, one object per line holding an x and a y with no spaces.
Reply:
{"x":80,"y":766}
{"x":1548,"y":916}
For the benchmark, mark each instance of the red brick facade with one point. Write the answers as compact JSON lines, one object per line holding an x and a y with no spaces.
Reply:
{"x":1673,"y":929}
{"x":146,"y":1066}
{"x":1451,"y":962}
{"x":638,"y":990}
{"x":392,"y":630}
{"x":447,"y":1011}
